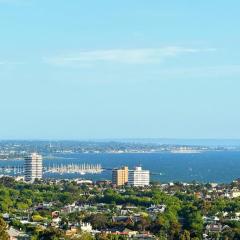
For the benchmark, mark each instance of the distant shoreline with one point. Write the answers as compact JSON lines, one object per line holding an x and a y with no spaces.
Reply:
{"x":182,"y":152}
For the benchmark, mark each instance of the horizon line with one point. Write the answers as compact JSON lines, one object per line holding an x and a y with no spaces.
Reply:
{"x":118,"y":138}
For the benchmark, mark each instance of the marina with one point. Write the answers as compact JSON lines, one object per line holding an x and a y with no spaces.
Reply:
{"x":57,"y":168}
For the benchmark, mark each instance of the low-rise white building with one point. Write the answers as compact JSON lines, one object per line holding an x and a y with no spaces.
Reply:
{"x":235,"y":193}
{"x":86,"y":227}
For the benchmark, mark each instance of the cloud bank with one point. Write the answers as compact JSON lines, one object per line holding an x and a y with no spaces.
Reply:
{"x":127,"y":56}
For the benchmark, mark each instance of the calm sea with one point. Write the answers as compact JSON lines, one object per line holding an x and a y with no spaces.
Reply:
{"x":203,"y":167}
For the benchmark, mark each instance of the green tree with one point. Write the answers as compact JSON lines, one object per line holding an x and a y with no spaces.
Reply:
{"x":98,"y":221}
{"x":3,"y":230}
{"x":84,"y":236}
{"x":185,"y":235}
{"x":51,"y":234}
{"x":196,"y":223}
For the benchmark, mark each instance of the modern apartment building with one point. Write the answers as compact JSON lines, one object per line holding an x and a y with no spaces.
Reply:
{"x":120,"y":176}
{"x":33,"y":167}
{"x":138,"y":177}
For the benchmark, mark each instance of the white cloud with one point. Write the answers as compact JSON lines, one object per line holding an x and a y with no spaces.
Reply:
{"x":128,"y":56}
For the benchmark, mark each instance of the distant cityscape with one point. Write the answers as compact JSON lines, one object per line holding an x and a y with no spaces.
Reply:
{"x":18,"y":149}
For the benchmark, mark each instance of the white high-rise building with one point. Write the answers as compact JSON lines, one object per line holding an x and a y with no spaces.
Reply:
{"x":33,"y":167}
{"x":138,"y":177}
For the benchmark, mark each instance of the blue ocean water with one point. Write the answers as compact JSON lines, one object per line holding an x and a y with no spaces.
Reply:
{"x":217,"y":166}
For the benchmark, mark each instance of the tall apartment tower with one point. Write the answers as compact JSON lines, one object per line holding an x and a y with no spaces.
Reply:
{"x":138,"y":177}
{"x":33,"y":167}
{"x":120,"y":176}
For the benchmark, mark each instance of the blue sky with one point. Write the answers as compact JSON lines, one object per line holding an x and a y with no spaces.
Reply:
{"x":119,"y":69}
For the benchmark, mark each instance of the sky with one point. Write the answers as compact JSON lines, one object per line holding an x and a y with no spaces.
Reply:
{"x":119,"y":69}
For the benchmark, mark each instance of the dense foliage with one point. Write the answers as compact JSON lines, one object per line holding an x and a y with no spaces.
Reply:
{"x":182,"y":218}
